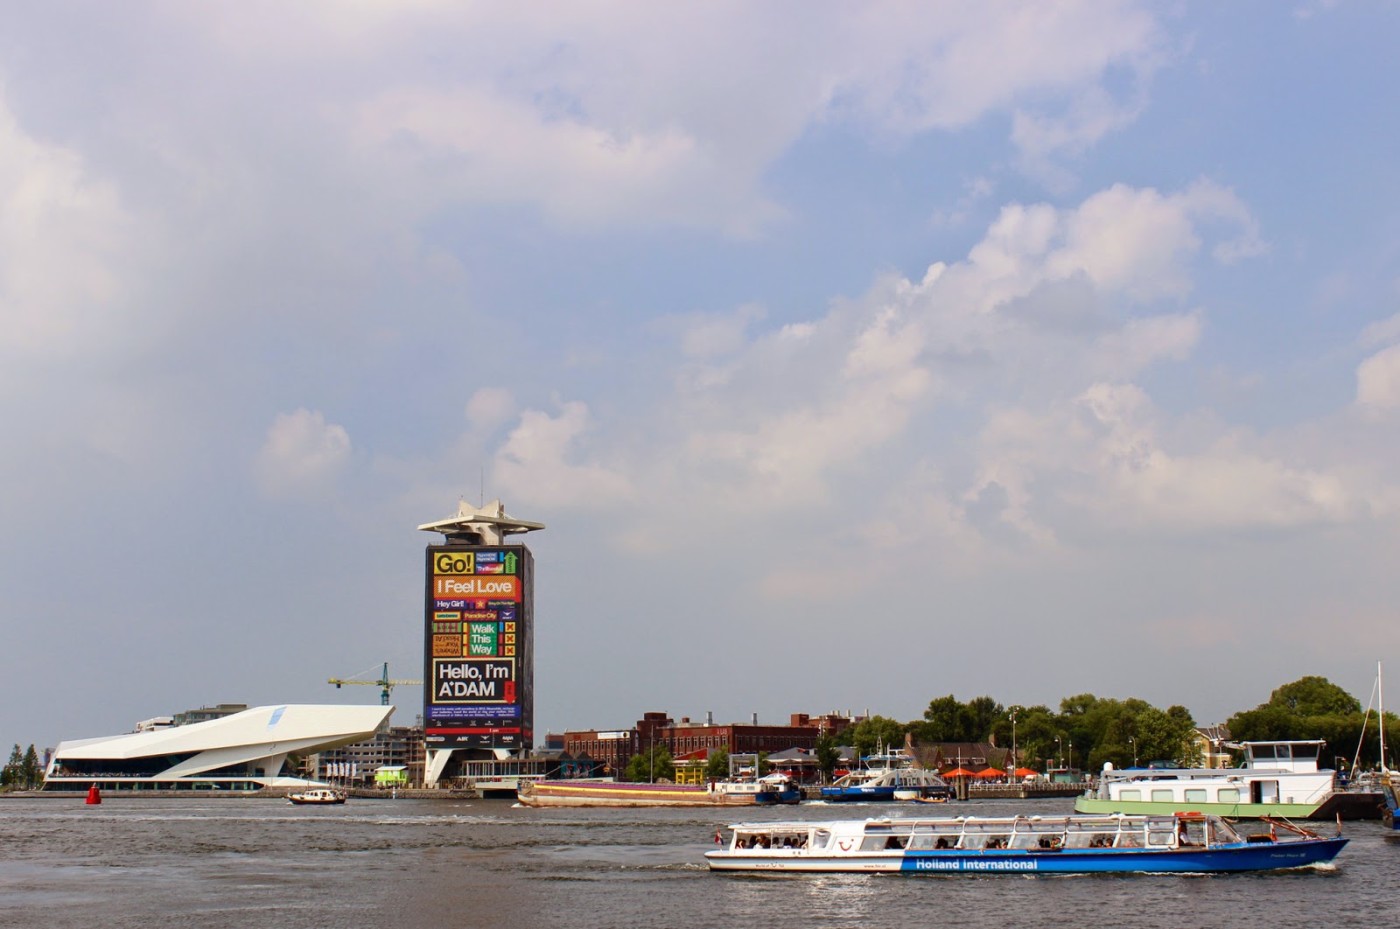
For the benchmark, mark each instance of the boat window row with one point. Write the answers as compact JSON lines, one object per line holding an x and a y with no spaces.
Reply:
{"x":1189,"y":795}
{"x":1024,"y":834}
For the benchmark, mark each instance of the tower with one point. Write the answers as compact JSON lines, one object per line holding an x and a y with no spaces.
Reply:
{"x":478,"y":663}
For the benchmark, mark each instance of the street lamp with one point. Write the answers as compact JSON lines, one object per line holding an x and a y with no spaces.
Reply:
{"x":1013,"y":743}
{"x":1059,"y":750}
{"x":1133,"y":744}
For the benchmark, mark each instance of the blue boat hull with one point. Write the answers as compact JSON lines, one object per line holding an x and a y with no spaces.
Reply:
{"x":1252,"y":857}
{"x":774,"y":797}
{"x":857,"y":794}
{"x":1218,"y":860}
{"x":872,"y":794}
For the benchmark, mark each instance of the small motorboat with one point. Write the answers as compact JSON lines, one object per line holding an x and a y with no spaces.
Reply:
{"x":316,"y":796}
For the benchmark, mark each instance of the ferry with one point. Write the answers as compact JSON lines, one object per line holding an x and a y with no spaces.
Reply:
{"x":1192,"y":843}
{"x":1277,"y":779}
{"x":588,"y":792}
{"x":887,"y":777}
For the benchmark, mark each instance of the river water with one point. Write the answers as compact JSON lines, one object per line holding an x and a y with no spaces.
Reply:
{"x":375,"y":864}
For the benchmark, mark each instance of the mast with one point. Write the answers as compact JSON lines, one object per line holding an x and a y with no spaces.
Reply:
{"x":1380,"y":691}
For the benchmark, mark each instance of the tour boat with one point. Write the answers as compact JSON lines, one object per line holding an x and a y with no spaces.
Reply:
{"x":585,"y":792}
{"x":317,"y":796}
{"x":1180,"y":843}
{"x":1276,"y":779}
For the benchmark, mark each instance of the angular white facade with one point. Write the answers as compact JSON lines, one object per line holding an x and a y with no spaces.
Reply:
{"x":245,"y":750}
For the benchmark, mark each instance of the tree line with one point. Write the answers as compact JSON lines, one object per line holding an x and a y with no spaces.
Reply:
{"x":22,"y":771}
{"x":1087,"y":731}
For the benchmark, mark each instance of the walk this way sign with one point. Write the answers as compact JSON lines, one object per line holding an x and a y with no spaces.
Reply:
{"x":478,"y":665}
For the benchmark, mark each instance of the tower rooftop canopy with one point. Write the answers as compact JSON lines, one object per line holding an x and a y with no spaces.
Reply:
{"x":483,"y":525}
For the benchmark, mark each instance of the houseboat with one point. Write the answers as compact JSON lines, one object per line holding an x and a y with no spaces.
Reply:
{"x":1183,"y":843}
{"x":588,"y":792}
{"x":1276,"y":779}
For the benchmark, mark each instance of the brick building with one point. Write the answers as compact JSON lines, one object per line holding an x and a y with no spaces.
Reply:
{"x":612,"y":748}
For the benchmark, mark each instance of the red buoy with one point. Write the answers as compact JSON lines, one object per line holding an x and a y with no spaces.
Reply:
{"x":93,"y":795}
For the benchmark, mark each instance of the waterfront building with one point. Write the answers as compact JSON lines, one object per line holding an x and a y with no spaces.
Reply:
{"x":612,"y":748}
{"x":1213,"y":744}
{"x":206,"y":713}
{"x":244,"y":750}
{"x":357,"y":763}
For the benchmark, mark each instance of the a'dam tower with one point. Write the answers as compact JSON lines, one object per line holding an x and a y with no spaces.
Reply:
{"x":478,"y":664}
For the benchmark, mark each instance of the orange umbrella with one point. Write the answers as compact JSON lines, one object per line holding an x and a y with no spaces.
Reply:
{"x":990,"y":772}
{"x":959,"y":772}
{"x":1026,"y":772}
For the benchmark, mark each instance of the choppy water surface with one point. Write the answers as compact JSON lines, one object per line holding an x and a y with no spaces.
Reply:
{"x":425,"y":863}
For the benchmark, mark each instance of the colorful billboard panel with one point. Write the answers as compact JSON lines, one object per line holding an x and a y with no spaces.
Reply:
{"x":479,"y":661}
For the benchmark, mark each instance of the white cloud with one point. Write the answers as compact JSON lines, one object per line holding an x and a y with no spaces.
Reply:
{"x":778,"y":423}
{"x":63,"y":239}
{"x":537,"y":463}
{"x":711,"y":334}
{"x":546,"y":110}
{"x":1382,"y":332}
{"x":1378,"y":380}
{"x":1140,"y":484}
{"x":302,"y":454}
{"x":1144,"y":341}
{"x":489,"y":407}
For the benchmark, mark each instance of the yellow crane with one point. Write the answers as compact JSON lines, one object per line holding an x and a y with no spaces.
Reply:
{"x":384,"y":683}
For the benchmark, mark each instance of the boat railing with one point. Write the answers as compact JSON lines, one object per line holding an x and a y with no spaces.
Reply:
{"x":1025,"y":833}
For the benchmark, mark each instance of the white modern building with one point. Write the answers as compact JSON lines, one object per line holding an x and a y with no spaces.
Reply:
{"x":244,"y":751}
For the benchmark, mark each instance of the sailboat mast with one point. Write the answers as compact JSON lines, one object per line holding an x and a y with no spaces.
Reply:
{"x":1380,"y":692}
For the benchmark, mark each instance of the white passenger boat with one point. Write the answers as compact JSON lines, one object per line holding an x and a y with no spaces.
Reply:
{"x":1183,"y":843}
{"x":1276,"y":779}
{"x":316,"y":796}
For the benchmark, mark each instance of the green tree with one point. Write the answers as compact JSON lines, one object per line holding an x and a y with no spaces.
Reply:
{"x":717,"y":767}
{"x":655,"y":764}
{"x":1313,"y":708}
{"x":1036,"y":728}
{"x":943,"y":721}
{"x":979,"y":717}
{"x":10,"y":774}
{"x":877,"y":732}
{"x":1314,"y":696}
{"x":30,"y":771}
{"x":1097,"y":730}
{"x":827,"y":754}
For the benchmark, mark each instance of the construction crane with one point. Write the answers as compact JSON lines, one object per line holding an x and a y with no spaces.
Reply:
{"x":383,"y":683}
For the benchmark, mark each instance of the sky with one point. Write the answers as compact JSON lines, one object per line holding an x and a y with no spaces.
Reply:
{"x":853,"y":355}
